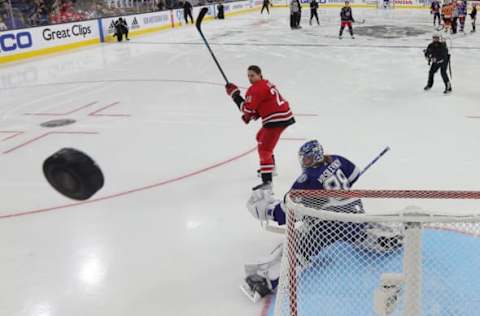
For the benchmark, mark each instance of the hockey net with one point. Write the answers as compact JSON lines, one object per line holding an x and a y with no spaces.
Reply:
{"x":373,"y":252}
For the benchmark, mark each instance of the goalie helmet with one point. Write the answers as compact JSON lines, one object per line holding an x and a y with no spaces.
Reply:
{"x":310,"y":154}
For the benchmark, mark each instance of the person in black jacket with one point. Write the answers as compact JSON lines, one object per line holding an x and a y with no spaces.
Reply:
{"x":439,"y":58}
{"x":187,"y":11}
{"x":346,"y":19}
{"x":473,"y":15}
{"x":266,"y":5}
{"x":121,"y":28}
{"x":313,"y":11}
{"x":221,"y":11}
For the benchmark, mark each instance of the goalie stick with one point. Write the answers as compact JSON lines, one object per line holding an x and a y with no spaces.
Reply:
{"x":198,"y":24}
{"x":281,"y":229}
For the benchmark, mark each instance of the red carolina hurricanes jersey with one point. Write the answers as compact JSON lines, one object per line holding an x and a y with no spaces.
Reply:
{"x":264,"y":100}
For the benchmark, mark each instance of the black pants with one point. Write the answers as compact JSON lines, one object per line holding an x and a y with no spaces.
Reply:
{"x":265,"y":6}
{"x":221,"y":13}
{"x":295,"y":19}
{"x":436,"y":16}
{"x":454,"y":25}
{"x":473,"y":24}
{"x":120,"y":31}
{"x":443,"y":70}
{"x":298,"y":17}
{"x":186,"y":14}
{"x":314,"y":13}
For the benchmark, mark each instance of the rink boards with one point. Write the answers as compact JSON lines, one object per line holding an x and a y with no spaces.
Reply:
{"x":347,"y":277}
{"x":37,"y":41}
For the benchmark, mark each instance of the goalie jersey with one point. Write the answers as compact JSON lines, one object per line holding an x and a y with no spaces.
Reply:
{"x":336,"y":173}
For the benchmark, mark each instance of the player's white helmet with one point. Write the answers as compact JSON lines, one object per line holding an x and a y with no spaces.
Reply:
{"x":310,"y":153}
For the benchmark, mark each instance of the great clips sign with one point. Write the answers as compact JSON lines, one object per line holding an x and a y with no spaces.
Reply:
{"x":37,"y":38}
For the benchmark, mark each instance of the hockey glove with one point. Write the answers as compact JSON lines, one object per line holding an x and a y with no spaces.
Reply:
{"x":246,"y":118}
{"x":231,"y":89}
{"x":261,"y":204}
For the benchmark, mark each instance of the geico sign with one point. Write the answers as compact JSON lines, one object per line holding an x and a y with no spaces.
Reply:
{"x":13,"y":41}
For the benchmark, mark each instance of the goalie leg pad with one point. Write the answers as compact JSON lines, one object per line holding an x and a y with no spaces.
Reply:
{"x":262,"y":275}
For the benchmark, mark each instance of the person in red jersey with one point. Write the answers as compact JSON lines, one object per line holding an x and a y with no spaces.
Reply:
{"x":263,"y":100}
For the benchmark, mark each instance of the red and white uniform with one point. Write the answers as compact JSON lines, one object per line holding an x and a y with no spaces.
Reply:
{"x":263,"y":100}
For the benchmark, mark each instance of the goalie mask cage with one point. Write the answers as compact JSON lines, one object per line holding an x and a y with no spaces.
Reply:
{"x":370,"y":252}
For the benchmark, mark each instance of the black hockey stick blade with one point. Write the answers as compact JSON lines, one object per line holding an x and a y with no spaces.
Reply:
{"x":200,"y":17}
{"x":198,"y":24}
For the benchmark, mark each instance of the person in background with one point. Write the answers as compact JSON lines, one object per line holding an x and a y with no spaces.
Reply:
{"x":473,"y":15}
{"x":438,"y":58}
{"x":435,"y":11}
{"x":447,"y":13}
{"x":3,"y":27}
{"x":454,"y":17}
{"x":266,"y":5}
{"x":347,"y":19}
{"x":187,"y":11}
{"x":161,"y":5}
{"x":221,"y":11}
{"x":313,"y":11}
{"x":295,"y":14}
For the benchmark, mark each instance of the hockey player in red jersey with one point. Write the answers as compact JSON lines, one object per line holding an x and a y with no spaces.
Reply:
{"x":263,"y":100}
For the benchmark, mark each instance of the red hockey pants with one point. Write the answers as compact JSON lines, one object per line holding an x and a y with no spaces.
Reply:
{"x":267,"y":139}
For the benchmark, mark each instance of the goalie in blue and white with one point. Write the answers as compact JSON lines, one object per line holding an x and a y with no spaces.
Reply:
{"x":320,"y":172}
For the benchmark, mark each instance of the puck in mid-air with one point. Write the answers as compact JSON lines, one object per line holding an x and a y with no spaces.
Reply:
{"x":73,"y":174}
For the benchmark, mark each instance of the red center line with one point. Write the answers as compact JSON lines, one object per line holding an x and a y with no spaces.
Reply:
{"x":45,"y":135}
{"x":15,"y":134}
{"x":97,"y":112}
{"x":66,"y":113}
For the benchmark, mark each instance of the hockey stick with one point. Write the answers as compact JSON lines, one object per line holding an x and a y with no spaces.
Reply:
{"x":198,"y":24}
{"x":281,"y":229}
{"x":374,"y":160}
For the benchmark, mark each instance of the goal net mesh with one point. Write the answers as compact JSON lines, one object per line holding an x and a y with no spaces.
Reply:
{"x":380,"y":253}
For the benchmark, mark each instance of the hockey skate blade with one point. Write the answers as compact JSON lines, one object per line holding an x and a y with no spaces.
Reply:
{"x":252,"y":295}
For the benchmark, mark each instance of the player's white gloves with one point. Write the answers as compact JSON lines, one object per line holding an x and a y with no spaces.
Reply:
{"x":261,"y":203}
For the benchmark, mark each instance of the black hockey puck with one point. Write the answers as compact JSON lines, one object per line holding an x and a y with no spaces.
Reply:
{"x":73,"y":174}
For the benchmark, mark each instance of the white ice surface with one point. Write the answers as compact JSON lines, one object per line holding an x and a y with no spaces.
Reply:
{"x":178,"y":248}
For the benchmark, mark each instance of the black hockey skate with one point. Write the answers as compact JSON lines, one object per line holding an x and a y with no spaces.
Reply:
{"x":448,"y":89}
{"x":427,"y":88}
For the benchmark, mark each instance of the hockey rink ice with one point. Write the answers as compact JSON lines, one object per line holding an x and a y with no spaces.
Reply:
{"x":169,"y":233}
